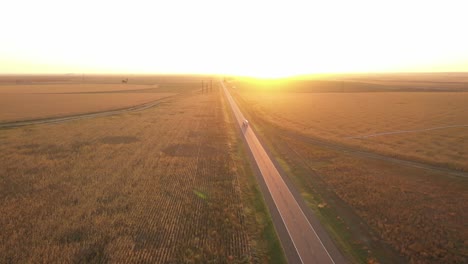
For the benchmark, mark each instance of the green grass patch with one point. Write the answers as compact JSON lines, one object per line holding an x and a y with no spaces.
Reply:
{"x":200,"y":194}
{"x":274,"y":250}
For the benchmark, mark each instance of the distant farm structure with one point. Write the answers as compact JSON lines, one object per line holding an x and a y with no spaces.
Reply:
{"x":206,"y":87}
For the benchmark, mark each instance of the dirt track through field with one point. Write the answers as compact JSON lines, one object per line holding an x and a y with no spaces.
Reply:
{"x":82,"y":116}
{"x":145,"y":90}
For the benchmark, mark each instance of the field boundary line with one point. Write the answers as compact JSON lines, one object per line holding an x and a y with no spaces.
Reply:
{"x":370,"y":154}
{"x":404,"y":131}
{"x":61,"y":119}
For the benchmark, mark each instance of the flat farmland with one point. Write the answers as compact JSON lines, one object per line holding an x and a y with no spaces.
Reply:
{"x":165,"y":185}
{"x":73,"y":88}
{"x":28,"y":102}
{"x":373,"y":207}
{"x":377,"y":210}
{"x":426,"y":126}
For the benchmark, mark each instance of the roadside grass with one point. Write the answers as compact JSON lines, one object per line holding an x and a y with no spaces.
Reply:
{"x":355,"y":248}
{"x":273,"y":250}
{"x":256,"y":210}
{"x":328,"y":217}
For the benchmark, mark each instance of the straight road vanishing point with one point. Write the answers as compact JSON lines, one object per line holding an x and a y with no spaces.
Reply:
{"x":307,"y":243}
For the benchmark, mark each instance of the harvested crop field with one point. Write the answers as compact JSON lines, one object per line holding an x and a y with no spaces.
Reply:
{"x":72,"y":88}
{"x":417,"y":213}
{"x":28,"y":102}
{"x":165,"y":185}
{"x":37,"y":106}
{"x":376,"y":209}
{"x":426,"y":126}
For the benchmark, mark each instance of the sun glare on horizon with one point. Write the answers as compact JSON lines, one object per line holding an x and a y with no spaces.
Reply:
{"x":261,"y":39}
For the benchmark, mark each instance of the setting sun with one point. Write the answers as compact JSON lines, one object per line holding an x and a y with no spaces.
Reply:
{"x":255,"y":38}
{"x":246,"y":131}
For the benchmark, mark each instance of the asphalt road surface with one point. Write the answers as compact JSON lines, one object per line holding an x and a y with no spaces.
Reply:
{"x":307,"y":243}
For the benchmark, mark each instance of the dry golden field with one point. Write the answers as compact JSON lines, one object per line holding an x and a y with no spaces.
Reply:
{"x":37,"y":106}
{"x":454,"y":81}
{"x":32,"y":97}
{"x":165,"y":185}
{"x":421,"y":214}
{"x":100,"y":79}
{"x":358,"y":119}
{"x":26,"y":102}
{"x":375,"y":209}
{"x":74,"y":88}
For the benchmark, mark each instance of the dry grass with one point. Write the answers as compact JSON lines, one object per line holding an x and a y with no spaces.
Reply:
{"x":158,"y":186}
{"x":342,"y":116}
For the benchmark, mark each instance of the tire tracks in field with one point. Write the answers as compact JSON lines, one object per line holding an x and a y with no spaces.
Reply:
{"x":55,"y":120}
{"x":143,"y":90}
{"x":61,"y":119}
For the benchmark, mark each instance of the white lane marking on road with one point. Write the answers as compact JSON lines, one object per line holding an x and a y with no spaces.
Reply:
{"x":282,"y":218}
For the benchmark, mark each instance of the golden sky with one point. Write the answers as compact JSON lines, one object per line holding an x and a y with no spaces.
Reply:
{"x":257,"y":38}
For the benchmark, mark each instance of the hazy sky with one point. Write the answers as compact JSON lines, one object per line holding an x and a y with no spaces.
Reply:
{"x":260,"y":38}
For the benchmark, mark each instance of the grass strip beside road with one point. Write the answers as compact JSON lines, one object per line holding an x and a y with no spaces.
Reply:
{"x":296,"y":173}
{"x":253,"y":197}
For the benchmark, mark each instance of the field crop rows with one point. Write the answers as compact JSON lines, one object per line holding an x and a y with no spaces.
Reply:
{"x":27,"y":102}
{"x":347,"y":117}
{"x":419,"y":213}
{"x":374,"y":208}
{"x":159,"y":185}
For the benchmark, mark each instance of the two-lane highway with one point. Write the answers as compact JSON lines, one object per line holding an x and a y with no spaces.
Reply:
{"x":307,"y":243}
